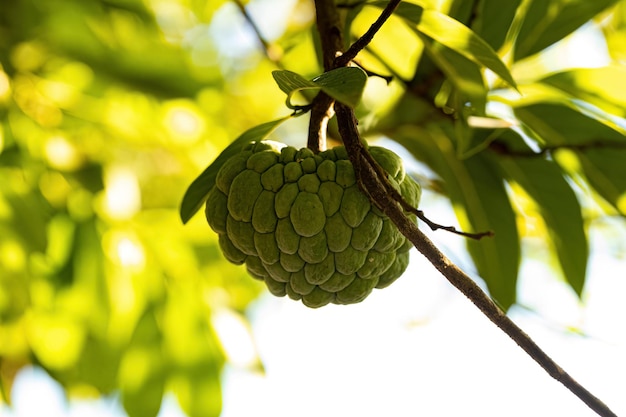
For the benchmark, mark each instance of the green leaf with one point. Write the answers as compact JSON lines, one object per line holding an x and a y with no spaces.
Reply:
{"x":485,"y":202}
{"x":603,"y":87}
{"x":289,"y":81}
{"x":547,"y":22}
{"x":476,"y":190}
{"x":142,"y":377}
{"x":604,"y":169}
{"x":558,"y":124}
{"x":343,"y":84}
{"x":200,"y":395}
{"x":456,"y":36}
{"x":543,"y":180}
{"x":494,"y":20}
{"x":463,"y":73}
{"x":196,"y":194}
{"x":476,"y":139}
{"x":598,"y":149}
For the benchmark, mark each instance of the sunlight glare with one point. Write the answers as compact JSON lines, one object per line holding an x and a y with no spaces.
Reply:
{"x":61,"y":154}
{"x":124,"y":249}
{"x":5,"y":87}
{"x":183,"y":122}
{"x":12,"y":256}
{"x":235,"y":337}
{"x":130,"y":253}
{"x":122,"y":196}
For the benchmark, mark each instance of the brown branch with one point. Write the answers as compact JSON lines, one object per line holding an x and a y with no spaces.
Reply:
{"x":328,"y":25}
{"x":373,"y":184}
{"x":363,"y":41}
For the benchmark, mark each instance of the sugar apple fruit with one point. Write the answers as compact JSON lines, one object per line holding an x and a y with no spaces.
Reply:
{"x":301,"y":224}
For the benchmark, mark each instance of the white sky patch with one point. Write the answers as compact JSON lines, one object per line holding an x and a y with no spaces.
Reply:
{"x":235,"y":337}
{"x":584,"y":48}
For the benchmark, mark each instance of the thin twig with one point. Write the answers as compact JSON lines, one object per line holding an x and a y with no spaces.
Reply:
{"x":435,"y":226}
{"x":269,"y":50}
{"x":345,"y":58}
{"x":396,"y":196}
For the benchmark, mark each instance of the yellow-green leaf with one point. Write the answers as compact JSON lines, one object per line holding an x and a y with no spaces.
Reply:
{"x":456,"y":36}
{"x":543,"y":180}
{"x":343,"y":84}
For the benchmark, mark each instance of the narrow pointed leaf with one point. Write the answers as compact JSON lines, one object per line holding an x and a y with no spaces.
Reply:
{"x":494,"y":20}
{"x":604,"y":169}
{"x":497,"y":259}
{"x":547,"y":22}
{"x":476,"y":190}
{"x":543,"y":180}
{"x":599,"y":149}
{"x":456,"y":36}
{"x":463,"y":73}
{"x":603,"y":87}
{"x":560,"y":125}
{"x":196,"y":194}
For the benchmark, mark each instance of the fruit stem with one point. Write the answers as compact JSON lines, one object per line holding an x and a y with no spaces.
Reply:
{"x":321,"y":112}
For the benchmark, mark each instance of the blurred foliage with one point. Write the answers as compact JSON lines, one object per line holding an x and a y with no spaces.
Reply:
{"x":110,"y":108}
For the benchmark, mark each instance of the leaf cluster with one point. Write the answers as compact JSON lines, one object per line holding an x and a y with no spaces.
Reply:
{"x":505,"y":143}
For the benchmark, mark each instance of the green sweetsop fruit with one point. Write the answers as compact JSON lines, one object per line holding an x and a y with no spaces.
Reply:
{"x":301,"y":224}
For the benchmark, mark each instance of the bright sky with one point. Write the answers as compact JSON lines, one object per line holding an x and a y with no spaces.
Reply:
{"x":417,"y":348}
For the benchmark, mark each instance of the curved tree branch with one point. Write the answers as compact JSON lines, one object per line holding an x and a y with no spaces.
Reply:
{"x":371,"y":182}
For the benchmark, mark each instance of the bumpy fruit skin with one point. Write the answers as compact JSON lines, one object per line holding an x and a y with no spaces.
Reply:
{"x":301,"y":224}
